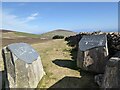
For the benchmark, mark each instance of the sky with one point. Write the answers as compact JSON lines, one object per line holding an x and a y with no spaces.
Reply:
{"x":41,"y":17}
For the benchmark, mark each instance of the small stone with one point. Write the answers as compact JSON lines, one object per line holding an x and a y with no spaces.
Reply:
{"x":111,"y":32}
{"x":98,"y":79}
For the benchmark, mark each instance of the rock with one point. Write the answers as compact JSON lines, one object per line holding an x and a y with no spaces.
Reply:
{"x":97,"y":32}
{"x":98,"y":79}
{"x":113,"y":42}
{"x":93,"y":53}
{"x":23,"y":66}
{"x":111,"y":33}
{"x":113,"y":39}
{"x":112,"y":73}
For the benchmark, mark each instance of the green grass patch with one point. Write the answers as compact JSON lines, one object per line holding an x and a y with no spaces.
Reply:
{"x":27,"y":34}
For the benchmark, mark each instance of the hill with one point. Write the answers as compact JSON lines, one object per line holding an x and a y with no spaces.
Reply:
{"x":47,"y":35}
{"x":7,"y":33}
{"x":9,"y":36}
{"x":61,"y":32}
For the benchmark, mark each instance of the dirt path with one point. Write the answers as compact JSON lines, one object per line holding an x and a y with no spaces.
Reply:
{"x":60,"y":68}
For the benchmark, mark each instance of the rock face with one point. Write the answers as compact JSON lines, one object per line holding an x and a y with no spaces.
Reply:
{"x":93,"y":53}
{"x":23,"y":66}
{"x":111,"y":77}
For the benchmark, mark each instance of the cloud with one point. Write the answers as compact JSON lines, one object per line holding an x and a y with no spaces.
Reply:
{"x":32,"y":16}
{"x":13,"y":22}
{"x":35,"y":14}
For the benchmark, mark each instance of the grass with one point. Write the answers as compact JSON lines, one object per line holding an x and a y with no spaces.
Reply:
{"x":49,"y":52}
{"x":63,"y":73}
{"x":47,"y":35}
{"x":27,"y":34}
{"x":57,"y":32}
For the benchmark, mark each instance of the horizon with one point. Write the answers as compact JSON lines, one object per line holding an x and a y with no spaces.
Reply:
{"x":41,"y":17}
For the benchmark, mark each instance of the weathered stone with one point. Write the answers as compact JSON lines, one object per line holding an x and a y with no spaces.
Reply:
{"x":112,"y":73}
{"x":98,"y":79}
{"x":93,"y":55}
{"x":22,"y":73}
{"x":113,"y":39}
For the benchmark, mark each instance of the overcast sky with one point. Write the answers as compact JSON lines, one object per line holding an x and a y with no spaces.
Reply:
{"x":39,"y":17}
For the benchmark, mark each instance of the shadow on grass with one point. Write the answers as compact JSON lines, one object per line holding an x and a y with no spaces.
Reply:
{"x":66,"y":63}
{"x":75,"y":82}
{"x":85,"y":81}
{"x":87,"y":78}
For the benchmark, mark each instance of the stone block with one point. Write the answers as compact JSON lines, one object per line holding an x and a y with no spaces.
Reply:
{"x":23,"y":66}
{"x":92,"y":53}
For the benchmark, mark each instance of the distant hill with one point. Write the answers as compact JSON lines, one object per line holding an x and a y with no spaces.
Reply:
{"x":48,"y":35}
{"x":5,"y":31}
{"x":10,"y":34}
{"x":64,"y":33}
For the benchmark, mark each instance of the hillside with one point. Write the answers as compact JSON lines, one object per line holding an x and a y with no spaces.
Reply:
{"x":47,"y":35}
{"x":64,"y":33}
{"x":9,"y":37}
{"x":10,"y":33}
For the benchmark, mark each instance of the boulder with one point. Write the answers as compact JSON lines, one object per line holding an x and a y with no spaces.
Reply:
{"x":92,"y":53}
{"x":23,"y":66}
{"x":111,"y":77}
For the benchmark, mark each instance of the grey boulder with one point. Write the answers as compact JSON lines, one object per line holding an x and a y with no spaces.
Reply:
{"x":92,"y":53}
{"x":23,"y":66}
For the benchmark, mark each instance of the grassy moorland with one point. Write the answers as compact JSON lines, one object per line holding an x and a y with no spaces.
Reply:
{"x":27,"y":34}
{"x":57,"y":61}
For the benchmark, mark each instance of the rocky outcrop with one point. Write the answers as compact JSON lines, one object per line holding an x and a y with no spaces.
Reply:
{"x":93,"y":53}
{"x":23,"y":66}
